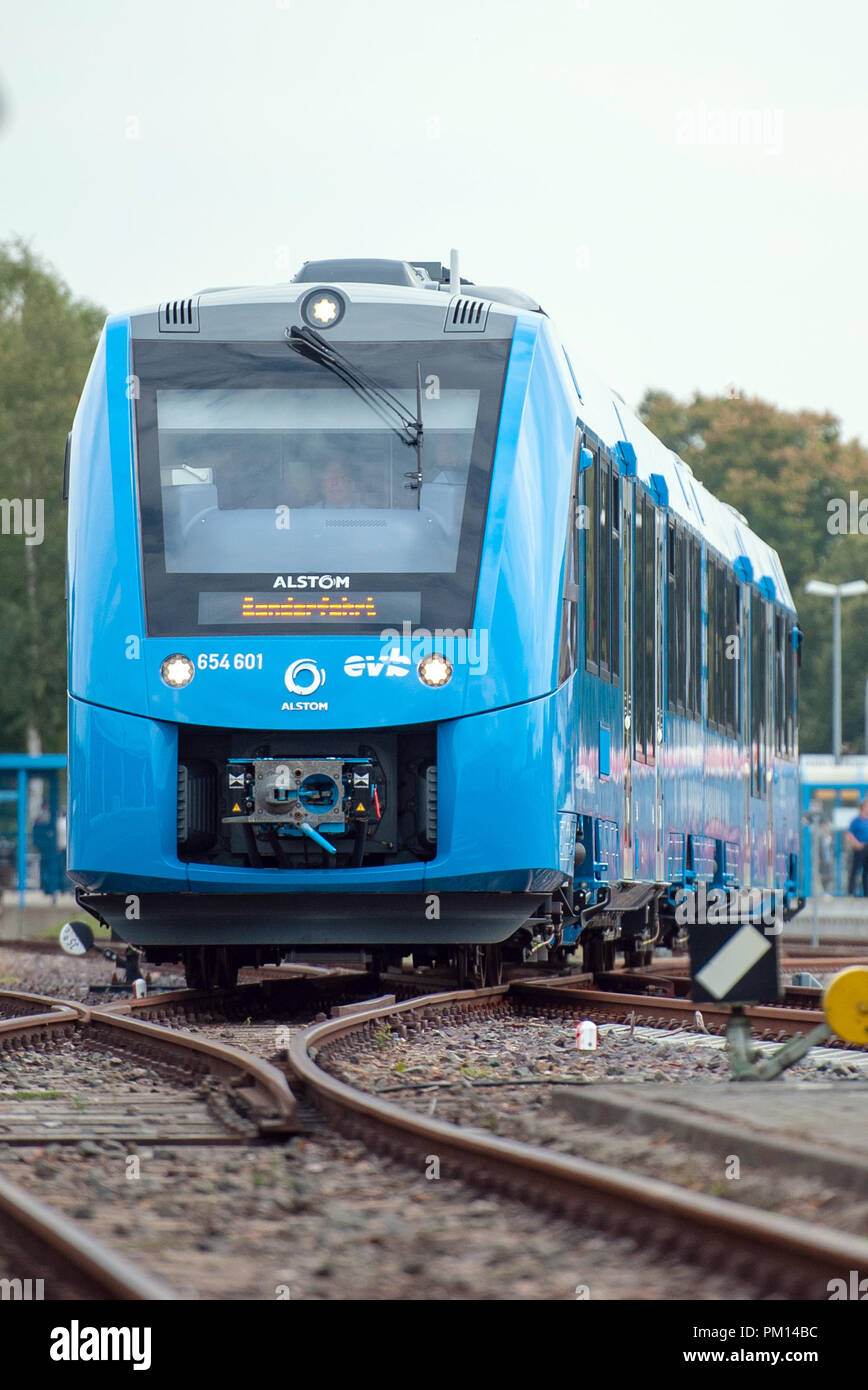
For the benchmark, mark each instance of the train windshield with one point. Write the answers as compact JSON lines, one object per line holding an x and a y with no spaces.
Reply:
{"x":275,"y":498}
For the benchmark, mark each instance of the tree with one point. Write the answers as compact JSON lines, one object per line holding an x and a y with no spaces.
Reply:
{"x":47,"y":340}
{"x":782,"y":469}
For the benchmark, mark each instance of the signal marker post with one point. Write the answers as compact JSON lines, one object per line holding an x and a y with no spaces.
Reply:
{"x":734,"y":963}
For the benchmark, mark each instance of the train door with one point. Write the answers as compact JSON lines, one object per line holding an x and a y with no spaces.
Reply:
{"x":744,"y":647}
{"x":645,"y":702}
{"x":768,"y":636}
{"x":628,"y":858}
{"x":759,"y":740}
{"x":660,"y":589}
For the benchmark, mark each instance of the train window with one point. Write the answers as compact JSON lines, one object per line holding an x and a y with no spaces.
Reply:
{"x":722,"y":649}
{"x":639,"y":629}
{"x":723,"y":653}
{"x":644,"y":630}
{"x":570,"y":595}
{"x":592,"y":509}
{"x":792,"y":690}
{"x":779,"y":690}
{"x":650,"y":701}
{"x":694,"y":616}
{"x":672,"y":613}
{"x":758,"y":694}
{"x":615,"y":577}
{"x":601,"y":494}
{"x":732,"y":657}
{"x":785,"y":687}
{"x":684,"y":619}
{"x":260,"y":474}
{"x":605,"y":563}
{"x":714,"y":711}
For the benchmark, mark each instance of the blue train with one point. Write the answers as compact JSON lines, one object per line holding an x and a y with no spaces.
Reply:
{"x":391,"y":627}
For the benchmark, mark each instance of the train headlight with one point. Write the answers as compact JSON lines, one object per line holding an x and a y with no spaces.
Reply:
{"x":435,"y":670}
{"x":322,"y":309}
{"x":325,"y":311}
{"x":177,"y":671}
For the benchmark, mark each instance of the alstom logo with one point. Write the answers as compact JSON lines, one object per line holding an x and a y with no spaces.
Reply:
{"x":303,"y":677}
{"x":388,"y":663}
{"x":311,"y":581}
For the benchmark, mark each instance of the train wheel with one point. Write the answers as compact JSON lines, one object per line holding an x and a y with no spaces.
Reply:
{"x":194,"y":967}
{"x":379,"y":962}
{"x":225,"y":968}
{"x":467,"y":967}
{"x":478,"y":966}
{"x":493,"y":965}
{"x":638,"y":957}
{"x":598,"y":955}
{"x":210,"y":967}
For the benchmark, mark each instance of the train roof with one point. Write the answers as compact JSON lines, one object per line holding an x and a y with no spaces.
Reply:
{"x":672,"y":482}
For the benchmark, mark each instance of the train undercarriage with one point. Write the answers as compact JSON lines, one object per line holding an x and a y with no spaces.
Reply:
{"x":563,"y":933}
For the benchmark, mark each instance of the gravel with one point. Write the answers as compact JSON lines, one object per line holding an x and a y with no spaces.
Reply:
{"x":43,"y":970}
{"x":319,"y":1216}
{"x":446,"y":1071}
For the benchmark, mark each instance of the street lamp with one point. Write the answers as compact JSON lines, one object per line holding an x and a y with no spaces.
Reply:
{"x":836,"y":592}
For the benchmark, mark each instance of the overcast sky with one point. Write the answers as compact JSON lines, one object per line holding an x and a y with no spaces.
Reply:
{"x":682,"y":184}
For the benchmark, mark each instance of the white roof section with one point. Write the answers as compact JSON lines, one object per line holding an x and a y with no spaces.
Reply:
{"x":725,"y":530}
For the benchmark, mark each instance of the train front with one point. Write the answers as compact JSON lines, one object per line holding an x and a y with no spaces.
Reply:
{"x":289,"y":574}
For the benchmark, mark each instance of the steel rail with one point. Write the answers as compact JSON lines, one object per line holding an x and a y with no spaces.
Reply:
{"x":776,"y":1253}
{"x":263,"y":1086}
{"x":14,"y":996}
{"x":770,"y":1021}
{"x":48,"y":1236}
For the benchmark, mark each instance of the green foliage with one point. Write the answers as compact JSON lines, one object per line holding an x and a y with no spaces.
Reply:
{"x":47,"y":340}
{"x":781,"y":469}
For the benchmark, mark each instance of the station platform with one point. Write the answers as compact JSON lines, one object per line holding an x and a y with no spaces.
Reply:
{"x":41,"y":917}
{"x":828,"y":918}
{"x":816,"y":1125}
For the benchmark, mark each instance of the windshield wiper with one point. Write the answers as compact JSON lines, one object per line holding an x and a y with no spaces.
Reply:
{"x":311,"y":345}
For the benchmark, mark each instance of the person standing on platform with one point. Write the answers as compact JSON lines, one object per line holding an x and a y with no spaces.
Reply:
{"x":856,"y":839}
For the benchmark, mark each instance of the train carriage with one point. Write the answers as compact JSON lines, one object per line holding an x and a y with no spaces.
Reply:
{"x":391,"y":627}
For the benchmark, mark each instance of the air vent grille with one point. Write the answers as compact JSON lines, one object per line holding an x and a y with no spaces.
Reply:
{"x":179,"y":316}
{"x":197,"y":804}
{"x":426,"y":803}
{"x":466,"y":315}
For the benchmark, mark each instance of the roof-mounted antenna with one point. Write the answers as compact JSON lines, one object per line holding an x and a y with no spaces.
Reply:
{"x":454,"y":277}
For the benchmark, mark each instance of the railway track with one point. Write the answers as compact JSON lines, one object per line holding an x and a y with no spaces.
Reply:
{"x":770,"y":1022}
{"x":237,"y":1096}
{"x":774,"y":1254}
{"x":49,"y":1257}
{"x":45,"y":1042}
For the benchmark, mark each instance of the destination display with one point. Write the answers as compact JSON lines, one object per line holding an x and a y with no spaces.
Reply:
{"x":384,"y":608}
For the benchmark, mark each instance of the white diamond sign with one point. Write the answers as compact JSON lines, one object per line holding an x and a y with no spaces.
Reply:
{"x":737,"y":963}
